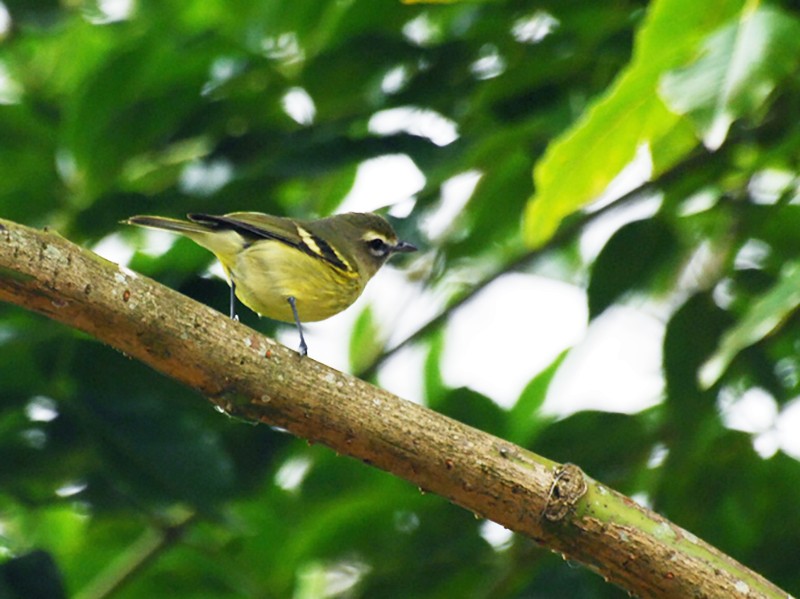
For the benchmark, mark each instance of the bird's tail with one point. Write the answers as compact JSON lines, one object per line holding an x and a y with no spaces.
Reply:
{"x":168,"y":224}
{"x":225,"y":244}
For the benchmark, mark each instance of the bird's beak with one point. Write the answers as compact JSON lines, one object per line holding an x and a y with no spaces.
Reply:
{"x":404,"y":247}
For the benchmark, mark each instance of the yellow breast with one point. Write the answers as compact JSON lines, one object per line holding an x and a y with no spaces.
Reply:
{"x":267,"y":273}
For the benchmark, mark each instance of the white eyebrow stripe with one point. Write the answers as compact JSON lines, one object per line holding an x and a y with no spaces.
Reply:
{"x":370,"y":235}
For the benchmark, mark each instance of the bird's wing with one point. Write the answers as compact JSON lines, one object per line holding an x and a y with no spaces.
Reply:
{"x":253,"y":225}
{"x":257,"y":225}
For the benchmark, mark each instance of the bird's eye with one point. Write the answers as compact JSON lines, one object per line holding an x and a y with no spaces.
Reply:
{"x":378,"y":247}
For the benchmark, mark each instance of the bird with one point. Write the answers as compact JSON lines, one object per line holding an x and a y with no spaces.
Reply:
{"x":290,"y":270}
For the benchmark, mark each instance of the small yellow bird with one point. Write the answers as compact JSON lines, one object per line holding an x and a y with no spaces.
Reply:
{"x":291,"y":270}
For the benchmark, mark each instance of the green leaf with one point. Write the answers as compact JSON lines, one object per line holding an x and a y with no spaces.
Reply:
{"x":523,"y":418}
{"x":366,"y":341}
{"x":632,"y":256}
{"x":691,"y":336}
{"x":434,"y":385}
{"x":778,"y":226}
{"x":738,"y":68}
{"x":581,"y":164}
{"x":507,"y":176}
{"x":28,"y":171}
{"x":764,"y":316}
{"x":474,"y":409}
{"x":160,"y":455}
{"x":131,"y":103}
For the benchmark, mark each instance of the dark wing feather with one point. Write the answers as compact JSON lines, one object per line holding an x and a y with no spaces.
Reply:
{"x":256,"y":225}
{"x":270,"y":227}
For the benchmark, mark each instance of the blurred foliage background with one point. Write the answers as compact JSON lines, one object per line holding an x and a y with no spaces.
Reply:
{"x":117,"y":482}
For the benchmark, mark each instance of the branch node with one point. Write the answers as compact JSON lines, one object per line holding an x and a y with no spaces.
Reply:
{"x":569,"y":485}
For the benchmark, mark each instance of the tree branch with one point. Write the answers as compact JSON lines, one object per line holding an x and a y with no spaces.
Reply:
{"x":145,"y":550}
{"x":253,"y":377}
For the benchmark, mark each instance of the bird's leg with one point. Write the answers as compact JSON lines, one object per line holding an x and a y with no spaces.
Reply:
{"x":233,"y":301}
{"x":303,"y":347}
